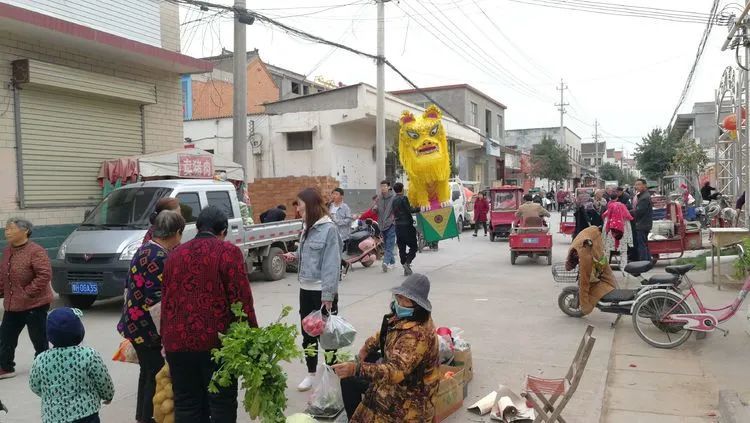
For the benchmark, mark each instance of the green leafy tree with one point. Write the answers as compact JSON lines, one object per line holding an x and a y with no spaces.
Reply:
{"x":549,"y":161}
{"x":655,"y":154}
{"x":610,"y":172}
{"x":690,"y":158}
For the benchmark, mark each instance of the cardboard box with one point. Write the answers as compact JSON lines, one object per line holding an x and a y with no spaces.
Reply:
{"x":450,"y":395}
{"x":463,"y":359}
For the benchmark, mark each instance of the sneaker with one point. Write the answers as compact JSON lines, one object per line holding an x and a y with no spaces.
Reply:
{"x":385,"y":268}
{"x":485,"y":234}
{"x":391,"y":266}
{"x":407,"y":270}
{"x":474,"y":235}
{"x":306,"y":383}
{"x":7,"y":374}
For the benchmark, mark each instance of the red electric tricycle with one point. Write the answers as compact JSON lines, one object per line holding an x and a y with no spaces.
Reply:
{"x":531,"y":238}
{"x":504,"y":203}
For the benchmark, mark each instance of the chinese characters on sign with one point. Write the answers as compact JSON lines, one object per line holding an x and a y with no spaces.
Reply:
{"x":190,"y":166}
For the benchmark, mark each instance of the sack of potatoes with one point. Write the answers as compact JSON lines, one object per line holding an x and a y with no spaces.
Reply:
{"x":164,"y":397}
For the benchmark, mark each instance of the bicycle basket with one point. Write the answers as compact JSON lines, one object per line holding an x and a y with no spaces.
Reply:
{"x":560,"y":275}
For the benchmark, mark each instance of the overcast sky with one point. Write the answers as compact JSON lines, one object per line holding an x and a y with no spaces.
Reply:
{"x":627,"y":72}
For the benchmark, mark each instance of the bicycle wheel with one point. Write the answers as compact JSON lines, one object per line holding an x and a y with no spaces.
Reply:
{"x":649,"y":312}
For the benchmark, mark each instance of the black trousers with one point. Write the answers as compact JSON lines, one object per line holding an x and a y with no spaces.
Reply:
{"x":191,"y":372}
{"x":482,"y":224}
{"x":352,"y":390}
{"x":406,"y":236}
{"x":94,"y":418}
{"x":35,"y":320}
{"x":151,"y":361}
{"x":310,"y":301}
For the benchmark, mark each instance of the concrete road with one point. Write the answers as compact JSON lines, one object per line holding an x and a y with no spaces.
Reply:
{"x":509,"y":315}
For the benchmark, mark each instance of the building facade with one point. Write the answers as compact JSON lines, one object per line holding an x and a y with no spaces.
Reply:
{"x":593,"y":154}
{"x":478,"y":110}
{"x":83,"y":82}
{"x":525,"y":139}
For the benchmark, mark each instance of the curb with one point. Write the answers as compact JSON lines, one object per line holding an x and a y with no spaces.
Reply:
{"x":731,"y":408}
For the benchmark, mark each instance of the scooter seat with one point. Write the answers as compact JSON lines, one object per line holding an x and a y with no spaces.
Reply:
{"x":635,"y":268}
{"x":665,"y":279}
{"x":679,"y":270}
{"x":618,"y":295}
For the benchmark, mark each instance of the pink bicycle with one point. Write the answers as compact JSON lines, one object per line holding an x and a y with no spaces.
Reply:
{"x":664,"y":319}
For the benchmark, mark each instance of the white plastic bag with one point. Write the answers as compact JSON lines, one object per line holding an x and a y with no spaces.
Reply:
{"x":338,"y":333}
{"x":326,"y":399}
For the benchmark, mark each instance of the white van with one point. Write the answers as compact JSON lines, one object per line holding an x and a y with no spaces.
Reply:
{"x":460,"y":204}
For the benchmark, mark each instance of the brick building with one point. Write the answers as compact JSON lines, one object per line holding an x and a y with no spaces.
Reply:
{"x":83,"y":83}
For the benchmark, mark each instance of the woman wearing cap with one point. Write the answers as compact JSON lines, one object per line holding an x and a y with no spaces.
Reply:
{"x":72,"y":380}
{"x":396,"y":372}
{"x":140,"y":314}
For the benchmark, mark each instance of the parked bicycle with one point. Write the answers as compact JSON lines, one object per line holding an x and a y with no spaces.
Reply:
{"x":664,"y":319}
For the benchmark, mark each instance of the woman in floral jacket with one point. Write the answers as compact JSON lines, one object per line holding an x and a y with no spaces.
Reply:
{"x":397,"y":370}
{"x":143,"y":296}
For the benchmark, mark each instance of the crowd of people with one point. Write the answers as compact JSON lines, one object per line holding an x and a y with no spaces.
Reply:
{"x":177,"y":301}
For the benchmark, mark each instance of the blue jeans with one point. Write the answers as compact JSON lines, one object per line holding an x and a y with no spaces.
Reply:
{"x":389,"y":235}
{"x":641,"y":246}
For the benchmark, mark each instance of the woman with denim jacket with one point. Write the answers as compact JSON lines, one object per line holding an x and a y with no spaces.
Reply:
{"x":319,"y":257}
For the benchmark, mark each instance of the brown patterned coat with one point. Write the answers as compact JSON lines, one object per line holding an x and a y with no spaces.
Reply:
{"x":25,"y":276}
{"x":594,"y":282}
{"x":404,"y":383}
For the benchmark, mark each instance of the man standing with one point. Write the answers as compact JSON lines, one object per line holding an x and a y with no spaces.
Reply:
{"x":406,"y":233}
{"x":384,"y":207}
{"x":643,"y":215}
{"x":562,"y":197}
{"x":622,"y":196}
{"x":481,"y":208}
{"x":202,"y":279}
{"x":276,"y":214}
{"x":341,"y":215}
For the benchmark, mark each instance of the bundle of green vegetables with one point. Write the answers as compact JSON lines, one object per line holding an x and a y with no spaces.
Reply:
{"x":253,"y":356}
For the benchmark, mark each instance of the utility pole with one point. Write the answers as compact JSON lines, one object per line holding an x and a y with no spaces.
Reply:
{"x":561,"y":108}
{"x":239,"y":98}
{"x":596,"y":148}
{"x":380,"y":106}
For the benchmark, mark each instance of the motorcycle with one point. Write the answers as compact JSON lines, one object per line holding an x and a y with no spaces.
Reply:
{"x":717,"y":212}
{"x":365,"y":244}
{"x":620,"y":301}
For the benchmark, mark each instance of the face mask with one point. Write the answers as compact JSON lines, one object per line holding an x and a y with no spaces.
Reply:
{"x":401,"y":312}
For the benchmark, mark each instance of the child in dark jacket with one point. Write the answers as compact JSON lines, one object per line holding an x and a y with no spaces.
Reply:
{"x":72,"y":380}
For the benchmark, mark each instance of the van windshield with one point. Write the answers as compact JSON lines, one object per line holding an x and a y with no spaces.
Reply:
{"x":126,"y":208}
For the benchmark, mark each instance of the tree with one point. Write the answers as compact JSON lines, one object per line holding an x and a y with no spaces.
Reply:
{"x":655,"y":153}
{"x":690,"y":158}
{"x":610,"y":172}
{"x":549,"y":161}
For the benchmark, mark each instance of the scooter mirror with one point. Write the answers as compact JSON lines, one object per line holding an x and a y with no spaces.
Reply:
{"x":368,"y":221}
{"x":588,"y":243}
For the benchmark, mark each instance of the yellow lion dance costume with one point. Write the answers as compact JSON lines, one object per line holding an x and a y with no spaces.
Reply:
{"x":423,"y":152}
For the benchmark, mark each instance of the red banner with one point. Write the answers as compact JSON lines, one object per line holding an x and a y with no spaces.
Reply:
{"x":190,"y":166}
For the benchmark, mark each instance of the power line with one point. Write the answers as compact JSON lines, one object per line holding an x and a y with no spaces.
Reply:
{"x":607,"y":9}
{"x":698,"y":54}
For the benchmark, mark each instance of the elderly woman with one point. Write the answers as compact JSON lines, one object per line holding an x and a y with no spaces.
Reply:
{"x":143,"y":296}
{"x":25,"y":275}
{"x":397,"y":368}
{"x":167,"y":203}
{"x":598,"y":207}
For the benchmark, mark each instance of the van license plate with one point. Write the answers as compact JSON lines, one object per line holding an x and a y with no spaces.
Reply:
{"x":84,"y":288}
{"x":531,"y":240}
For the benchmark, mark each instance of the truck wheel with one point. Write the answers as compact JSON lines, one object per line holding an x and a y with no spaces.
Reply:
{"x":513,"y":257}
{"x":492,"y":236}
{"x":460,"y":224}
{"x":83,"y":302}
{"x":549,"y":259}
{"x":274,"y":267}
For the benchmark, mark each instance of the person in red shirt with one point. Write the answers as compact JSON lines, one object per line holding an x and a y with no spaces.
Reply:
{"x":481,"y":208}
{"x":370,"y":213}
{"x":202,"y":279}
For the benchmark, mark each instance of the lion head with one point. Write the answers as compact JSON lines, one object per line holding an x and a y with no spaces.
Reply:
{"x":423,"y":146}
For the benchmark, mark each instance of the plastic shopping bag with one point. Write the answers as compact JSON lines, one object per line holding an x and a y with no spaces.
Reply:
{"x":326,"y":399}
{"x":314,"y":323}
{"x":125,"y":353}
{"x":338,"y":333}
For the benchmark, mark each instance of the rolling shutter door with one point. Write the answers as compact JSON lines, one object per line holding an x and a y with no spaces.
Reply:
{"x":65,"y":137}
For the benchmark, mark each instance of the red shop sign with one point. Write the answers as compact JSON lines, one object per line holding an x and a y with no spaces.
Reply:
{"x":190,"y":166}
